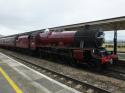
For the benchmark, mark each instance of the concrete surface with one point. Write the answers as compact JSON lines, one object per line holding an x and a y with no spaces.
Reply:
{"x":121,"y":56}
{"x":27,"y":79}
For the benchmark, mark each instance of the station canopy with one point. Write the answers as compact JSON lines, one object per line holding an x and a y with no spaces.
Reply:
{"x":117,"y":23}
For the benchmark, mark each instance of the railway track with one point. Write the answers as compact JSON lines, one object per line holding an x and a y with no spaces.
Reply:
{"x":121,"y":63}
{"x":66,"y":79}
{"x":117,"y":72}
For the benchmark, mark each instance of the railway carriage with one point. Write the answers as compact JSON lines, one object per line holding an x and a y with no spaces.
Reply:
{"x":8,"y":41}
{"x":22,"y":41}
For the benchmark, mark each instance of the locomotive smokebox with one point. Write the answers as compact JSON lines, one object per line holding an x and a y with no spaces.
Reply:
{"x":89,"y":38}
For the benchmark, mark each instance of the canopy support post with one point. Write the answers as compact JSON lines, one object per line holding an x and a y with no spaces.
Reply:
{"x":115,"y":41}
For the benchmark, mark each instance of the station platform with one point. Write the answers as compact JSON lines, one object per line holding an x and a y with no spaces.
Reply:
{"x":18,"y":78}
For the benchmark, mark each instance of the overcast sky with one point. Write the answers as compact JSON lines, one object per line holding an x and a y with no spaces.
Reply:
{"x":17,"y":16}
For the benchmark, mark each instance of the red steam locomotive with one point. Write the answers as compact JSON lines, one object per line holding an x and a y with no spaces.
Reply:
{"x":79,"y":47}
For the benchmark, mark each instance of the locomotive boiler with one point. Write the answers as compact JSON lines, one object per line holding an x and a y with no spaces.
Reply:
{"x":72,"y":39}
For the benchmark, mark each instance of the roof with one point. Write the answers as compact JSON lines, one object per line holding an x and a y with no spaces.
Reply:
{"x":105,"y":25}
{"x":117,"y":23}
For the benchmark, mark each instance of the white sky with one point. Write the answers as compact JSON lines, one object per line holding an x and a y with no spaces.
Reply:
{"x":17,"y":16}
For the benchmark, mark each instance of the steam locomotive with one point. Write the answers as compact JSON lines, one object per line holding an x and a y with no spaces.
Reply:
{"x":79,"y":47}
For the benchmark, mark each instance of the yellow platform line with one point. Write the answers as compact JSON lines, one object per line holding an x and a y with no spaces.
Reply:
{"x":10,"y":81}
